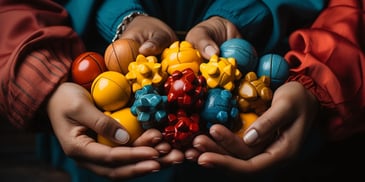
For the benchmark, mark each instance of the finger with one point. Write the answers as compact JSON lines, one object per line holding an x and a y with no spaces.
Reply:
{"x":163,"y":148}
{"x":267,"y":125}
{"x":102,"y":124}
{"x":123,"y":172}
{"x":173,"y":157}
{"x":156,"y":43}
{"x":192,"y":154}
{"x":203,"y":144}
{"x":81,"y":111}
{"x":102,"y":154}
{"x":232,"y":143}
{"x":201,"y":40}
{"x":274,"y":156}
{"x":150,"y":137}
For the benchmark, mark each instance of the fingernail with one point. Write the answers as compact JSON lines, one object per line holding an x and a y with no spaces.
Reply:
{"x":155,"y":140}
{"x":251,"y":136}
{"x":122,"y":136}
{"x":147,"y":45}
{"x":204,"y":164}
{"x":155,"y":170}
{"x":210,"y":50}
{"x":177,"y":162}
{"x":189,"y":157}
{"x":215,"y":135}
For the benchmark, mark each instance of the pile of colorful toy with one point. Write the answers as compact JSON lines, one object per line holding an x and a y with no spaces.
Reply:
{"x":179,"y":92}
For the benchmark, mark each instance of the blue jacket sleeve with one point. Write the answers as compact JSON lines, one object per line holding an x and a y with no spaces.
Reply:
{"x":266,"y":22}
{"x":111,"y":13}
{"x":288,"y":15}
{"x":251,"y":17}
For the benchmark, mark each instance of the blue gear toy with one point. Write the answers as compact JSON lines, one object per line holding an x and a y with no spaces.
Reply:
{"x":220,"y":107}
{"x":149,"y":107}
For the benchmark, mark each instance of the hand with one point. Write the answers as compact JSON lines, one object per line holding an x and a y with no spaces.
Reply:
{"x":292,"y":112}
{"x":153,"y":34}
{"x":73,"y":117}
{"x":209,"y":34}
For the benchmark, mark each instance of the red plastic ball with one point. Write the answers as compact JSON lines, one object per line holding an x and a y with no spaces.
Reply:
{"x":86,"y":67}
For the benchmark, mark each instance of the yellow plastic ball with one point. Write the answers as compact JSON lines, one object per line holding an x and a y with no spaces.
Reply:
{"x":111,"y":91}
{"x":128,"y":121}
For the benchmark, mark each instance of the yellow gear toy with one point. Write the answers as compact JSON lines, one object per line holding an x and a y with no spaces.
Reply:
{"x":220,"y":72}
{"x":145,"y":71}
{"x":179,"y":56}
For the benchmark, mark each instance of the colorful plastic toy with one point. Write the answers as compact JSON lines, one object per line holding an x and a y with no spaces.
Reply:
{"x":220,"y":72}
{"x":275,"y":67}
{"x":179,"y":56}
{"x":129,"y":123}
{"x":111,"y":91}
{"x":220,"y":107}
{"x":244,"y":53}
{"x":86,"y":67}
{"x":254,"y":94}
{"x":185,"y":90}
{"x":145,"y":71}
{"x":181,"y":129}
{"x":120,"y":53}
{"x":149,"y":107}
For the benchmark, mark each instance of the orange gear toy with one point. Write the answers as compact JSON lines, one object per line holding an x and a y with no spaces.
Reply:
{"x":254,"y":94}
{"x":220,"y":72}
{"x":145,"y":71}
{"x":179,"y":56}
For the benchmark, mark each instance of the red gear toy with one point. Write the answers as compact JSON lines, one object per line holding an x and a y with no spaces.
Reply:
{"x":185,"y":89}
{"x":181,"y":129}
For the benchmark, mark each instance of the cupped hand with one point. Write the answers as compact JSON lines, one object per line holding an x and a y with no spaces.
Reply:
{"x":208,"y":35}
{"x":153,"y":34}
{"x":73,"y":117}
{"x":292,"y":112}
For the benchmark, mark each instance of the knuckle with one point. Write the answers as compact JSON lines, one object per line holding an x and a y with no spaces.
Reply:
{"x":103,"y":125}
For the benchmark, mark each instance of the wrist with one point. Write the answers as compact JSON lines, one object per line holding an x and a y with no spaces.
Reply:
{"x":126,"y":20}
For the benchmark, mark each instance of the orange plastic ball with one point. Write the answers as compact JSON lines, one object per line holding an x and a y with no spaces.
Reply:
{"x":86,"y":67}
{"x":129,"y":123}
{"x":247,"y":119}
{"x":120,"y":53}
{"x":111,"y":91}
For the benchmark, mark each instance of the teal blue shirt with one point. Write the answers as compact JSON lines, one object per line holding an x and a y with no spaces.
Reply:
{"x":265,"y":23}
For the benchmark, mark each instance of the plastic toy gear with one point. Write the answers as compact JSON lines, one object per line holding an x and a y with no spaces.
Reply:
{"x":254,"y":94}
{"x":145,"y":71}
{"x":220,"y":107}
{"x":179,"y":56}
{"x":185,"y":90}
{"x":181,"y":129}
{"x":149,"y":107}
{"x":220,"y":72}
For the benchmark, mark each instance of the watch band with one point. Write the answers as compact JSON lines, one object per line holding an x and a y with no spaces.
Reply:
{"x":126,"y":20}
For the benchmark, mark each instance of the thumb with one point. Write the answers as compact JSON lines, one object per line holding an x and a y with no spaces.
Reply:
{"x":156,"y":44}
{"x":103,"y":124}
{"x":203,"y":43}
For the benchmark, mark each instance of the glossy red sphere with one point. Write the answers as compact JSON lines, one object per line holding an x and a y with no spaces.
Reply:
{"x":86,"y":67}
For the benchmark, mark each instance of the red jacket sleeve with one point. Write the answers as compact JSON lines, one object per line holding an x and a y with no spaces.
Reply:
{"x":328,"y":59}
{"x":37,"y":47}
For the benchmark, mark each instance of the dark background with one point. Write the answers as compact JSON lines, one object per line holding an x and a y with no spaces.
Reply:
{"x":343,"y":161}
